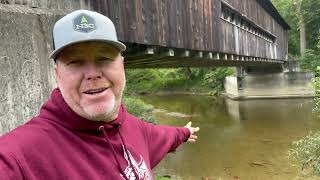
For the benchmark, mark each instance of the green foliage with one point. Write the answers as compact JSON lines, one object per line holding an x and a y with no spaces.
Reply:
{"x":316,"y":85}
{"x":307,"y":152}
{"x":291,"y":10}
{"x":139,"y":108}
{"x":142,"y":80}
{"x":287,"y":10}
{"x":162,"y":178}
{"x":310,"y":60}
{"x":180,"y":79}
{"x":311,"y":14}
{"x":215,"y":78}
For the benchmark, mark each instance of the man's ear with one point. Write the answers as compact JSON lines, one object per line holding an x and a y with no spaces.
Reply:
{"x":56,"y":73}
{"x":122,"y":58}
{"x":55,"y":66}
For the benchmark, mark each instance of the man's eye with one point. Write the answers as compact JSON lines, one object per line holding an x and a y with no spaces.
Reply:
{"x":73,"y":62}
{"x":103,"y":60}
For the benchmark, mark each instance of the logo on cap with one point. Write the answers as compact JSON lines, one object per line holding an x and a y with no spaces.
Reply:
{"x":84,"y":23}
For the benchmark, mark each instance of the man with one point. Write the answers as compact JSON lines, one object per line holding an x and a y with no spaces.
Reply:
{"x":83,"y":131}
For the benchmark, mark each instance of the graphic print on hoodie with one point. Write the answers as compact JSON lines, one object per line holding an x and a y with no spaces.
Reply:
{"x":59,"y":144}
{"x":140,"y":167}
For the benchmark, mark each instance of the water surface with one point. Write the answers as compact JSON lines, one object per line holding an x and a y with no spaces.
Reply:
{"x":238,"y":139}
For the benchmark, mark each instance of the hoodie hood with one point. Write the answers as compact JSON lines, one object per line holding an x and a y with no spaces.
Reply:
{"x":57,"y":110}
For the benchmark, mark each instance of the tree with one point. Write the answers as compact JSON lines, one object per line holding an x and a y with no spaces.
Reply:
{"x":304,"y":18}
{"x":302,"y":26}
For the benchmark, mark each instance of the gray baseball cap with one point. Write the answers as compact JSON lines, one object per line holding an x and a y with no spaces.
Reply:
{"x":82,"y":26}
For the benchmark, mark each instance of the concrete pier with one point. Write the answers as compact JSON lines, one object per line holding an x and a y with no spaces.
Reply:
{"x":259,"y":84}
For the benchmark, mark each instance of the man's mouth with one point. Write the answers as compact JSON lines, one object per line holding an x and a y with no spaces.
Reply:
{"x":95,"y":91}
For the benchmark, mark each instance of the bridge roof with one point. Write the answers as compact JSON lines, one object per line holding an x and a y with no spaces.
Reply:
{"x":269,"y":7}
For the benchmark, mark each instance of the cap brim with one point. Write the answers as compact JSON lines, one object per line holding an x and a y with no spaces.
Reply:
{"x":117,"y":44}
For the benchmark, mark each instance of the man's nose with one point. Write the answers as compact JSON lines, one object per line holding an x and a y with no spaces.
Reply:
{"x":92,"y":71}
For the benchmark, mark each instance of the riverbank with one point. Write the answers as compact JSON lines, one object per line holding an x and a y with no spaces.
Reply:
{"x":206,"y":81}
{"x":160,"y":93}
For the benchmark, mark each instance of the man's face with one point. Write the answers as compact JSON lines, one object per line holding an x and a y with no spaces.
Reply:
{"x":91,"y":79}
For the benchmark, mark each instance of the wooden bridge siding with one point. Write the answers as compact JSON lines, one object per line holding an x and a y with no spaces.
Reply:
{"x":256,"y":13}
{"x":193,"y":24}
{"x":238,"y":41}
{"x":188,"y":24}
{"x":127,"y":17}
{"x":252,"y":10}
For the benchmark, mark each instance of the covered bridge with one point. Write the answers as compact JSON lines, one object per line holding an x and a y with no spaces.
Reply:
{"x":175,"y":33}
{"x":197,"y":33}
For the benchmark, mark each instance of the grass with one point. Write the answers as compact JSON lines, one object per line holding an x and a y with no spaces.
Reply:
{"x":162,"y":178}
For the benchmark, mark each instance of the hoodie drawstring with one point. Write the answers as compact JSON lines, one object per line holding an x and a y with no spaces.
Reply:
{"x":126,"y":151}
{"x":101,"y":128}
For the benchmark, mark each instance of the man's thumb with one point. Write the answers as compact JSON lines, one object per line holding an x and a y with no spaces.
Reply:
{"x":189,"y":124}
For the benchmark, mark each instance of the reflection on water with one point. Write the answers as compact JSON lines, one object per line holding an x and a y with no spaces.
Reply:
{"x":238,"y":139}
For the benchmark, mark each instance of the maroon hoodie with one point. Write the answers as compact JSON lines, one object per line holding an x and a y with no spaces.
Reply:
{"x":58,"y":144}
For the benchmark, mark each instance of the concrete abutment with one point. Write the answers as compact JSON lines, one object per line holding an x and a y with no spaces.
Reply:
{"x":269,"y":82}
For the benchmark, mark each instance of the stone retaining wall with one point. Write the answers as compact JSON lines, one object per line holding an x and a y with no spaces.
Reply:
{"x":26,"y":73}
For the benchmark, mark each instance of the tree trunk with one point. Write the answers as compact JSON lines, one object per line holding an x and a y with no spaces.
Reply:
{"x":303,"y":41}
{"x":302,"y":27}
{"x":188,"y":72}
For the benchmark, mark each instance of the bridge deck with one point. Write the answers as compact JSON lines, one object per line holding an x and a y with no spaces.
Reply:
{"x":139,"y":56}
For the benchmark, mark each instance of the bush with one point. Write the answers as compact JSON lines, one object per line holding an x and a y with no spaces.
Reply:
{"x":215,"y":79}
{"x":316,"y":85}
{"x":162,"y":178}
{"x":307,"y":152}
{"x":139,"y":109}
{"x":143,"y":81}
{"x":310,"y":60}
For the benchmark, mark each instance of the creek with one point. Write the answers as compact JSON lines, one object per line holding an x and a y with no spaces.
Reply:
{"x":237,"y":139}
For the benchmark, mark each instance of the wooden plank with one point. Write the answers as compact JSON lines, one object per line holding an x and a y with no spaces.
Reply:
{"x":155,"y":21}
{"x":255,"y":11}
{"x":163,"y":26}
{"x":101,"y":9}
{"x":216,"y":26}
{"x":207,"y":19}
{"x":232,"y":39}
{"x":193,"y":18}
{"x":198,"y":25}
{"x":187,"y":23}
{"x":259,"y":15}
{"x":222,"y":36}
{"x":139,"y":22}
{"x":107,"y":8}
{"x":173,"y":27}
{"x":150,"y":11}
{"x":242,"y":6}
{"x":128,"y":11}
{"x":114,"y":13}
{"x":247,"y":43}
{"x":179,"y":24}
{"x":95,"y":5}
{"x":147,"y":21}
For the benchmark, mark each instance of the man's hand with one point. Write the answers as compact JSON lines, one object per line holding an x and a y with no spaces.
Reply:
{"x":192,"y":130}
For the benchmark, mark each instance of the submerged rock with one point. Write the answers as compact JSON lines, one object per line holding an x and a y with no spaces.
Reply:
{"x":180,"y":115}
